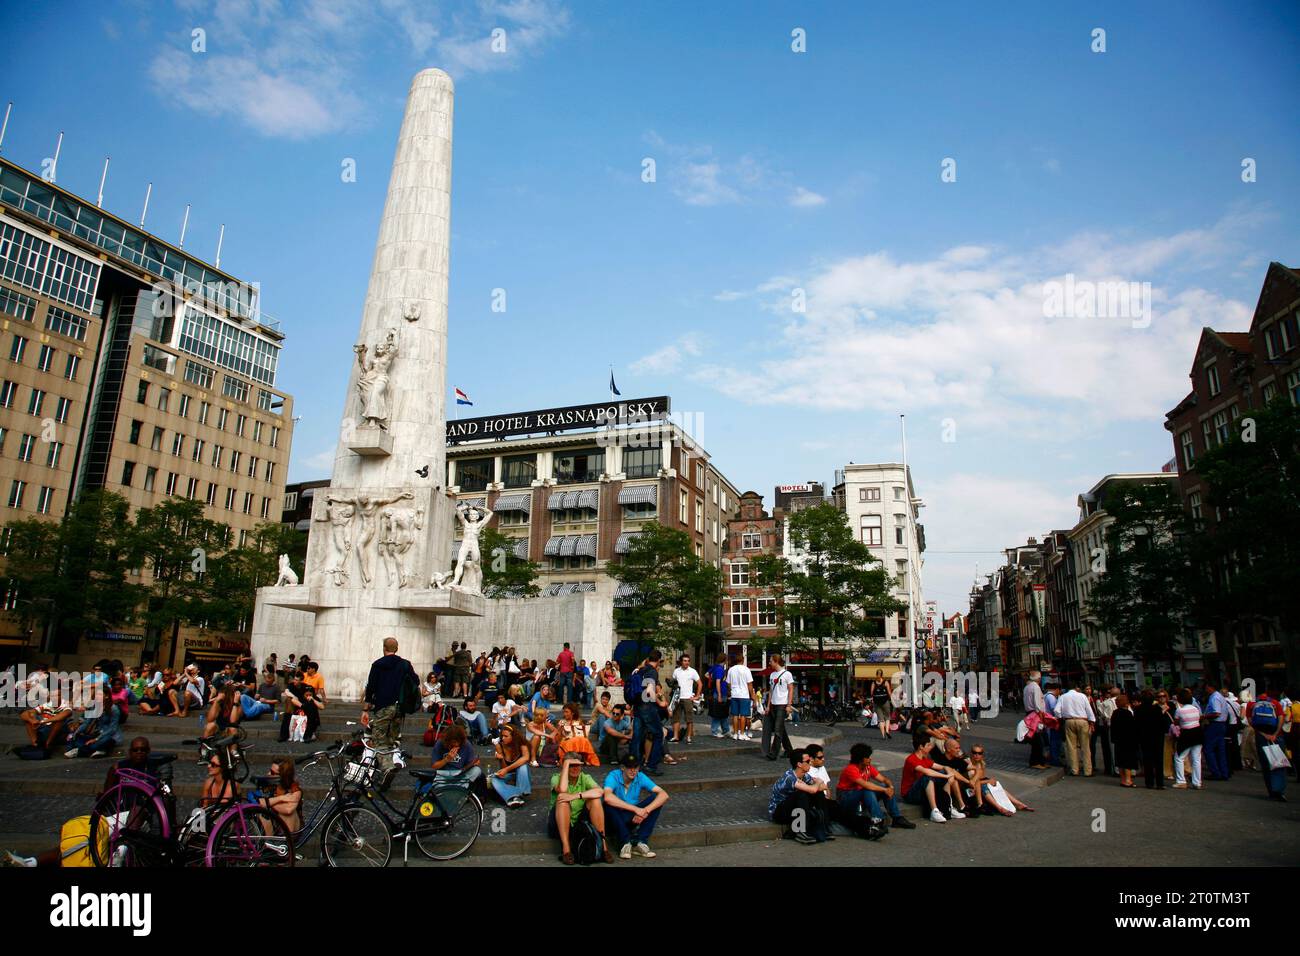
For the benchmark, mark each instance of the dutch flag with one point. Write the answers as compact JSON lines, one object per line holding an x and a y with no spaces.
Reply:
{"x":462,"y":398}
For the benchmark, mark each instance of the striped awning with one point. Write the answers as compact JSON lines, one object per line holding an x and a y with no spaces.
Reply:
{"x":586,"y":546}
{"x":584,"y":586}
{"x":475,"y":502}
{"x":455,"y":551}
{"x":568,"y":545}
{"x":639,"y":495}
{"x":553,"y":543}
{"x":571,"y":545}
{"x":514,"y":503}
{"x":521,"y":548}
{"x":624,"y":542}
{"x":590,"y":498}
{"x":554,"y":590}
{"x":623,"y":595}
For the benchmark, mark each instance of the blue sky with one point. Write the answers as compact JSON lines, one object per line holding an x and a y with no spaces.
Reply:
{"x":775,"y":171}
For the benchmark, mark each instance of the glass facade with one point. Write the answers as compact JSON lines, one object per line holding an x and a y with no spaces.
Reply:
{"x":518,"y":471}
{"x":474,"y":474}
{"x":217,"y":340}
{"x":40,"y":265}
{"x":586,"y":464}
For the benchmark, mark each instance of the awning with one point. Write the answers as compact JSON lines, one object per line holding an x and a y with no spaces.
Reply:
{"x":639,"y":495}
{"x":589,"y":499}
{"x":584,"y":586}
{"x":455,"y":552}
{"x":553,"y":590}
{"x":563,"y":500}
{"x":552,"y":548}
{"x":624,"y":542}
{"x":586,"y":546}
{"x":513,"y":503}
{"x":521,"y":548}
{"x":568,"y":545}
{"x":623,"y":595}
{"x":475,"y":502}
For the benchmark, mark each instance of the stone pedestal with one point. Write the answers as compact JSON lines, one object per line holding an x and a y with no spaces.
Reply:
{"x":372,"y":442}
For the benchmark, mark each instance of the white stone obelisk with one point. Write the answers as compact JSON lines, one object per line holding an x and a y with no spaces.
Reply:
{"x":385,"y":523}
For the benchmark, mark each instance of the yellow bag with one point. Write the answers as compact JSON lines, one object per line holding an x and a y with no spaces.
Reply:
{"x":74,"y":842}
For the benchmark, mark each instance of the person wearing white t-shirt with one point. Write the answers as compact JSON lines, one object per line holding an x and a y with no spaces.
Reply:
{"x":958,"y":704}
{"x":503,"y":711}
{"x":779,"y":700}
{"x":684,"y":698}
{"x":740,"y":681}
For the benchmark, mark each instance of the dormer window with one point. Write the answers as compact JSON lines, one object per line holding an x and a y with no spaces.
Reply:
{"x":1212,"y":377}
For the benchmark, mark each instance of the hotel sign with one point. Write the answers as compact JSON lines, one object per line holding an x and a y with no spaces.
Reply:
{"x":605,"y":414}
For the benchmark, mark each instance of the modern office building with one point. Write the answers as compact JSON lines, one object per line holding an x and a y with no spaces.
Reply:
{"x":130,"y":365}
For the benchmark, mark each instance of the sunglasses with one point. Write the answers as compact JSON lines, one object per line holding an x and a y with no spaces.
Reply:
{"x":977,"y":753}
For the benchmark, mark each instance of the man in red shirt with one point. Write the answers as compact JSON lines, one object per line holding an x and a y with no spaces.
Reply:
{"x":862,"y":788}
{"x":925,"y":784}
{"x":565,"y":661}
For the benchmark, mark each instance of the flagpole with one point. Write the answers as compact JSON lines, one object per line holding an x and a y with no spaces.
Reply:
{"x":911,"y":577}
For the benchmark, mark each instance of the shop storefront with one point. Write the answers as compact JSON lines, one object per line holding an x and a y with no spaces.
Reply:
{"x":211,"y":652}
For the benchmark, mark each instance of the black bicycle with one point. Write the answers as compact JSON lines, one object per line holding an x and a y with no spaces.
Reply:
{"x":444,"y":816}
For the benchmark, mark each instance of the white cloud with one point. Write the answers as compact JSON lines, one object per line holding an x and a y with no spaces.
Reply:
{"x":295,"y":70}
{"x":670,"y":357}
{"x":966,"y":335}
{"x":322,"y":461}
{"x":805,"y":197}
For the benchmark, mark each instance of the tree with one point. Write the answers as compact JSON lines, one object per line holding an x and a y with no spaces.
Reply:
{"x":235,"y":575}
{"x":1251,"y":552}
{"x":176,"y":543}
{"x":505,"y":575}
{"x":672,"y":597}
{"x":71,"y":575}
{"x":1143,"y":597}
{"x":839,"y":590}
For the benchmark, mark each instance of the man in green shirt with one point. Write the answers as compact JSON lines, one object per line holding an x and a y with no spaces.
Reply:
{"x":573,"y":793}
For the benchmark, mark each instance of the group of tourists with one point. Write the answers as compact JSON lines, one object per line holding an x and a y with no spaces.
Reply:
{"x":1175,"y":735}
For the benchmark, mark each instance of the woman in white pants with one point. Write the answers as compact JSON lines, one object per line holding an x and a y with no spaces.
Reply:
{"x":1190,"y":739}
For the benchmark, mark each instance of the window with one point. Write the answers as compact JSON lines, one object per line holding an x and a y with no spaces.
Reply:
{"x":583,"y":464}
{"x":164,"y":398}
{"x":1189,"y":452}
{"x":1270,"y":390}
{"x":16,"y":494}
{"x":241,"y":423}
{"x":197,"y":453}
{"x":142,"y":392}
{"x":1293,"y":386}
{"x":7,"y":392}
{"x":234,"y":461}
{"x":265,"y":400}
{"x":517,"y":471}
{"x":199,"y":375}
{"x":275,"y":438}
{"x":257,"y":430}
{"x":1221,"y":430}
{"x":767,"y":612}
{"x":53,"y":455}
{"x":230,"y":499}
{"x":222,"y":414}
{"x":740,"y":613}
{"x":474,"y":474}
{"x":640,"y":511}
{"x":156,"y":442}
{"x":17,"y":349}
{"x":1212,"y":378}
{"x":191,"y":488}
{"x":740,"y":574}
{"x":683,"y":511}
{"x":70,"y":370}
{"x":45,"y":359}
{"x":217,"y":451}
{"x":212,"y":493}
{"x":252,"y":466}
{"x":902,"y":575}
{"x":184,"y":409}
{"x":65,"y":323}
{"x":36,"y":402}
{"x":178,"y":444}
{"x":248,"y":502}
{"x":1208,"y":432}
{"x":243,"y":537}
{"x":898,"y":493}
{"x":18,"y":305}
{"x":234,"y":388}
{"x":290,"y":501}
{"x":1284,"y":333}
{"x":868,"y":494}
{"x":171,"y":482}
{"x":150,"y":476}
{"x":1270,"y":342}
{"x":25,"y":447}
{"x":642,"y":462}
{"x":266,"y":508}
{"x":751,"y":541}
{"x":871,"y":530}
{"x":898,"y":534}
{"x":1194,"y":506}
{"x":4,"y":434}
{"x":128,"y":472}
{"x":204,"y":409}
{"x":699,"y":475}
{"x":699,"y":514}
{"x":270,"y":472}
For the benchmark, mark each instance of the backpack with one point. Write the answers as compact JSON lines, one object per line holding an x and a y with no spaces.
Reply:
{"x":1265,"y":716}
{"x":588,"y":848}
{"x":633,"y":689}
{"x":408,"y":698}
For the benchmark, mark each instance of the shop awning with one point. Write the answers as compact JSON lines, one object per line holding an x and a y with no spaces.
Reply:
{"x":624,"y":542}
{"x":513,"y":503}
{"x":639,"y":495}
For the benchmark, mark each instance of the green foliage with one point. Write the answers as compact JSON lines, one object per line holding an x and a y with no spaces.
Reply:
{"x":1144,"y":595}
{"x":235,"y":575}
{"x":675,"y":596}
{"x":505,"y":575}
{"x":839,"y":593}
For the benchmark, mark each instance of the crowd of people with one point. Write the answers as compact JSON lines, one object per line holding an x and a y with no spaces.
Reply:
{"x":1185,"y":735}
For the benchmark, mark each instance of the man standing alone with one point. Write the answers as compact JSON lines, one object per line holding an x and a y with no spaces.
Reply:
{"x":382,"y":712}
{"x":1034,"y":704}
{"x":778,"y":709}
{"x":565,"y":663}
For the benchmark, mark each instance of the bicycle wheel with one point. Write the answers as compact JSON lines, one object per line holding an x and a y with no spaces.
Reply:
{"x":250,"y":836}
{"x":356,"y":836}
{"x":454,"y":819}
{"x":127,"y":828}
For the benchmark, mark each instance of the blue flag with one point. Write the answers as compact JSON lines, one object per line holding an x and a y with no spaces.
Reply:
{"x":613,"y":389}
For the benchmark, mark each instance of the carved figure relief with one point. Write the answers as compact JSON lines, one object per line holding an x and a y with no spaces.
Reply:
{"x":373,"y":381}
{"x":339,"y":513}
{"x":397,"y":530}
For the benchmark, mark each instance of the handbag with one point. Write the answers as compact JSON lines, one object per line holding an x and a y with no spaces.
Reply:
{"x":1276,"y":757}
